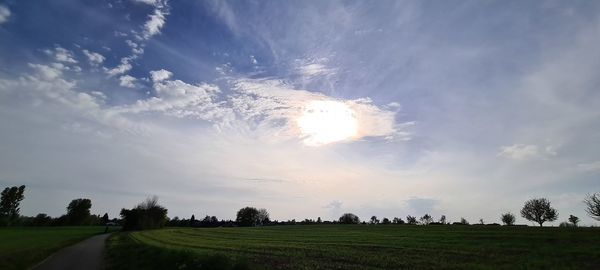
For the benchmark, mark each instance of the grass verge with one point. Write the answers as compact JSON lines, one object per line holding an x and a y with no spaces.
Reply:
{"x":124,"y":253}
{"x":23,"y":247}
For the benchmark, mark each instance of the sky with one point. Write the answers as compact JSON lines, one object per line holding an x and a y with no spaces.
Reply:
{"x":306,"y":108}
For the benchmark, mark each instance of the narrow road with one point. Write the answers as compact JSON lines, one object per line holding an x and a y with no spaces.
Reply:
{"x":87,"y":254}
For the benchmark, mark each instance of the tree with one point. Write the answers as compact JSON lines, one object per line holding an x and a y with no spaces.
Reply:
{"x":374,"y":220}
{"x":41,"y":219}
{"x":426,"y":219}
{"x":574,"y":220}
{"x":263,"y":216}
{"x":443,"y":219}
{"x":78,"y":211}
{"x":192,"y":221}
{"x":463,"y":221}
{"x":397,"y":220}
{"x":411,"y":220}
{"x":146,"y":215}
{"x":105,"y":219}
{"x":592,"y":203}
{"x":481,"y":222}
{"x":349,"y":218}
{"x":9,"y":204}
{"x":385,"y":221}
{"x":247,"y":217}
{"x":319,"y":220}
{"x":508,"y":219}
{"x":539,"y":210}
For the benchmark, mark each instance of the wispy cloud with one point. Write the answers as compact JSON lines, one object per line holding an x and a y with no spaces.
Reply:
{"x":4,"y":14}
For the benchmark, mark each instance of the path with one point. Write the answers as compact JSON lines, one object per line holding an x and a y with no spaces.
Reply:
{"x":87,"y":254}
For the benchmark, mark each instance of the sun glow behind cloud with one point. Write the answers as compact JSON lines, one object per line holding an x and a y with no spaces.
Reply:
{"x":324,"y":122}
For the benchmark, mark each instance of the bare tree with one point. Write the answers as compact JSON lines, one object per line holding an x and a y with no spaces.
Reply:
{"x":592,"y":203}
{"x":411,"y":220}
{"x":539,"y":211}
{"x":443,"y":219}
{"x":508,"y":219}
{"x":426,"y":219}
{"x":263,"y":216}
{"x":463,"y":221}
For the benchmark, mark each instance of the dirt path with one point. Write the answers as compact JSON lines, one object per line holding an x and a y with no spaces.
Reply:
{"x":87,"y":254}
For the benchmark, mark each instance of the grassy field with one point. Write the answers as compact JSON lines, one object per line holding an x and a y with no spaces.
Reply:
{"x":386,"y":247}
{"x":23,"y":247}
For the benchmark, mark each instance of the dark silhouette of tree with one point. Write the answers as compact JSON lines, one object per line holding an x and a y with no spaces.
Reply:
{"x":574,"y":220}
{"x":193,"y":221}
{"x":247,"y":217}
{"x":105,"y":219}
{"x":41,"y":219}
{"x":374,"y":220}
{"x":349,"y":218}
{"x":10,"y":199}
{"x":411,"y":220}
{"x":443,"y":219}
{"x":481,"y":222}
{"x":539,"y":210}
{"x":463,"y":221}
{"x":319,"y":221}
{"x":385,"y":221}
{"x":426,"y":219}
{"x":146,"y":215}
{"x":508,"y":219}
{"x":397,"y":220}
{"x":592,"y":203}
{"x":78,"y":211}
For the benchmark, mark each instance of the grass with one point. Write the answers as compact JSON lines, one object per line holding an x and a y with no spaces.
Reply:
{"x":23,"y":247}
{"x":124,"y":253}
{"x":383,"y":247}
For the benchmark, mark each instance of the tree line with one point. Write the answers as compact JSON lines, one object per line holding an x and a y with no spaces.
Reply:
{"x":149,"y":214}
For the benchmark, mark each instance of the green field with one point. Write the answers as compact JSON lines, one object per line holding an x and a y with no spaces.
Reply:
{"x":387,"y":247}
{"x":23,"y":247}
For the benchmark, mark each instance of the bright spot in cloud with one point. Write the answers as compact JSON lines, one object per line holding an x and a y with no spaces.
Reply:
{"x":324,"y":122}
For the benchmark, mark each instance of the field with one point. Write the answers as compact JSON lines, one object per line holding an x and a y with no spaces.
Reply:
{"x":383,"y":247}
{"x":23,"y":247}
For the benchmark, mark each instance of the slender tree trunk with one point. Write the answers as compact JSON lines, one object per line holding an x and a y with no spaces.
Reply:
{"x":541,"y":224}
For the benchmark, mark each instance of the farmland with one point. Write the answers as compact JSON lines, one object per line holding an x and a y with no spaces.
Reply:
{"x":23,"y":247}
{"x":384,"y":246}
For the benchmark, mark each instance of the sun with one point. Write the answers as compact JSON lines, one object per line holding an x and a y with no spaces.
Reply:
{"x":323,"y":122}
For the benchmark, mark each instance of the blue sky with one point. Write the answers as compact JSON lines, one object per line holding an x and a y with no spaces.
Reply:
{"x":306,"y":108}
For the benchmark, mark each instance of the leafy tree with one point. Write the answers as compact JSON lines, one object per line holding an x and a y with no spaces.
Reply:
{"x":397,"y":220}
{"x":463,"y":221}
{"x":349,"y":218}
{"x":9,"y":204}
{"x":146,"y":215}
{"x":426,"y":219}
{"x":192,"y":221}
{"x":411,"y":220}
{"x":374,"y":220}
{"x":539,"y":210}
{"x":41,"y":219}
{"x":319,"y":220}
{"x":248,"y":217}
{"x":443,"y":219}
{"x":105,"y":219}
{"x":385,"y":221}
{"x":508,"y":219}
{"x":481,"y":222}
{"x":78,"y":211}
{"x":574,"y":220}
{"x":592,"y":203}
